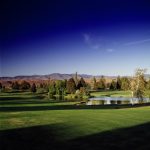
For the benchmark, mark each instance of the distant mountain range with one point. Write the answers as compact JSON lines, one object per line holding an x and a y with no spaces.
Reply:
{"x":57,"y":76}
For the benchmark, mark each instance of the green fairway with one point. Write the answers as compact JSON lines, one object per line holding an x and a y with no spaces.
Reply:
{"x":112,"y":94}
{"x":115,"y":94}
{"x":28,"y":121}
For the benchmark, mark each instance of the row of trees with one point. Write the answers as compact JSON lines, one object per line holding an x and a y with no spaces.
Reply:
{"x":75,"y":85}
{"x":71,"y":86}
{"x":121,"y":83}
{"x":24,"y":85}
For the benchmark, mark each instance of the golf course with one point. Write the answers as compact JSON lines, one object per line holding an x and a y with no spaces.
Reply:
{"x":75,"y":75}
{"x":31,"y":121}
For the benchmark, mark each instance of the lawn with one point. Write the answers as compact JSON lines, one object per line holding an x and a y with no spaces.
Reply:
{"x":28,"y":121}
{"x":115,"y":94}
{"x":111,"y":93}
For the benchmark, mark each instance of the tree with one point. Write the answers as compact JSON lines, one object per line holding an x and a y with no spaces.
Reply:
{"x":9,"y":84}
{"x":15,"y":85}
{"x":81,"y":83}
{"x":148,"y":84}
{"x":125,"y":83}
{"x":108,"y":85}
{"x":118,"y":84}
{"x":113,"y":85}
{"x":76,"y":79}
{"x":60,"y":87}
{"x":45,"y":86}
{"x":102,"y":83}
{"x":33,"y":88}
{"x":88,"y":86}
{"x":84,"y":91}
{"x":71,"y":86}
{"x":1,"y":86}
{"x":41,"y":85}
{"x":94,"y":84}
{"x":52,"y":88}
{"x":138,"y":84}
{"x":148,"y":88}
{"x":64,"y":84}
{"x":25,"y":85}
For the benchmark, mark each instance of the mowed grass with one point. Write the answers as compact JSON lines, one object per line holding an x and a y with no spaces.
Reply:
{"x":32,"y":122}
{"x":115,"y":94}
{"x":111,"y":94}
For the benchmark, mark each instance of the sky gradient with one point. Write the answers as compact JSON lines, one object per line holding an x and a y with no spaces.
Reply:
{"x":98,"y":37}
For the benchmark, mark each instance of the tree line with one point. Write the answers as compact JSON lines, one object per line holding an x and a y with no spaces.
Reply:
{"x":75,"y":85}
{"x":121,"y":83}
{"x":71,"y":86}
{"x":24,"y":85}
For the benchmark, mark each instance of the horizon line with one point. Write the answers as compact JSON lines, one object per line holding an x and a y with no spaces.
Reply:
{"x":8,"y":76}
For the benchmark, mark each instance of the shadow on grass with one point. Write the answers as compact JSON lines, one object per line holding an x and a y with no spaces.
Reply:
{"x":31,"y":138}
{"x":21,"y":97}
{"x":136,"y":137}
{"x":68,"y":107}
{"x":46,"y":138}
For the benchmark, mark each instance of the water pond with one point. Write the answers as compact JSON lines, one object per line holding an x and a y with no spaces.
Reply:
{"x":115,"y":100}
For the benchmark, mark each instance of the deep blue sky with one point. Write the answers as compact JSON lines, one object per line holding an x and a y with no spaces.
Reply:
{"x":109,"y":37}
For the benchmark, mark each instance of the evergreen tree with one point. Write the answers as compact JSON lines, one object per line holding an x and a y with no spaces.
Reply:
{"x":76,"y":79}
{"x":33,"y":88}
{"x":113,"y":85}
{"x":102,"y":83}
{"x":71,"y":86}
{"x":81,"y":83}
{"x":94,"y":84}
{"x":118,"y":84}
{"x":1,"y":86}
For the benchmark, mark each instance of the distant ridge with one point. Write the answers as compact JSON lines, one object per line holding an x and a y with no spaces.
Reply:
{"x":57,"y":76}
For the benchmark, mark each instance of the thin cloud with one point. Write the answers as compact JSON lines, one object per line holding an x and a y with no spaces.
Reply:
{"x":96,"y":46}
{"x":96,"y":43}
{"x":110,"y":50}
{"x":92,"y":43}
{"x":87,"y":38}
{"x":137,"y":42}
